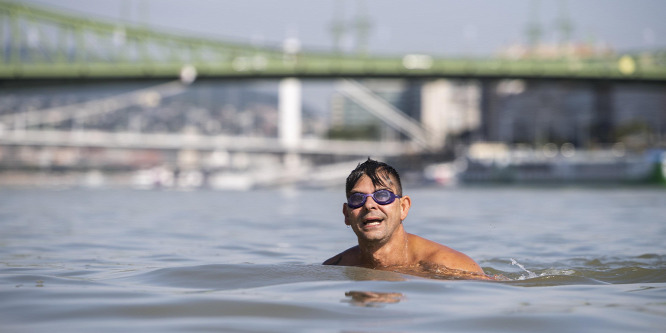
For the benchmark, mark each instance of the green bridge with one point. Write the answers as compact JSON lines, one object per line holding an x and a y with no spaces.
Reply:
{"x":39,"y":43}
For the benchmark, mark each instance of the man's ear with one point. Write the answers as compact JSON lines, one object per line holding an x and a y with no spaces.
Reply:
{"x":405,"y":204}
{"x":345,"y":212}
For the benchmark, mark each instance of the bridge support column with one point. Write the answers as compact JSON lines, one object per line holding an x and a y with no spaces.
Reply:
{"x":435,"y":97}
{"x":289,"y":126}
{"x":602,"y":121}
{"x":489,"y":116}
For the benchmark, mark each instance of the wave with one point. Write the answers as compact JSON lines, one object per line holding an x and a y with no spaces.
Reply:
{"x":646,"y":268}
{"x":241,"y":276}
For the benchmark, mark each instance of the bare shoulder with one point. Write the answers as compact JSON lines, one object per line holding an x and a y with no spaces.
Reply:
{"x":348,"y":257}
{"x":435,"y":253}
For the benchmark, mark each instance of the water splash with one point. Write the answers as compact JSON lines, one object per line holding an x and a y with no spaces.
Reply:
{"x":530,"y":274}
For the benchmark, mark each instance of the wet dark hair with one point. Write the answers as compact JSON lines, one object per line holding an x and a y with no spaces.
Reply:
{"x":375,"y":170}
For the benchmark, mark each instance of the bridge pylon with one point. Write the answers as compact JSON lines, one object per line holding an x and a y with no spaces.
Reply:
{"x":289,"y":126}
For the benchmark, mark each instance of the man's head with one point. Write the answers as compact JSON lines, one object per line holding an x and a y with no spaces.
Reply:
{"x":376,"y":220}
{"x":380,"y":173}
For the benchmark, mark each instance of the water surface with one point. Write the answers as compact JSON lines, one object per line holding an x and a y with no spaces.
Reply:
{"x":577,"y":259}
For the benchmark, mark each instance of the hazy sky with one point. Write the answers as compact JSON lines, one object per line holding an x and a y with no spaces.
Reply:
{"x":439,"y":27}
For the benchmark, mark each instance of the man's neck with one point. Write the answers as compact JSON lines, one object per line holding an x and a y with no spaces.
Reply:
{"x":394,"y":252}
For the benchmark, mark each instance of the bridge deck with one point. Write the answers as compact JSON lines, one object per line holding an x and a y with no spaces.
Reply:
{"x":167,"y":141}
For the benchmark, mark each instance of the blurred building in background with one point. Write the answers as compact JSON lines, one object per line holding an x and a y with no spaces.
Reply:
{"x":537,"y":113}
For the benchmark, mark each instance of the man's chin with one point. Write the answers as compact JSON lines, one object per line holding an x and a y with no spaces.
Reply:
{"x":372,"y":235}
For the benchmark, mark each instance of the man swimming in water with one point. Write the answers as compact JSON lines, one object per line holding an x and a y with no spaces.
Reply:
{"x":375,"y":209}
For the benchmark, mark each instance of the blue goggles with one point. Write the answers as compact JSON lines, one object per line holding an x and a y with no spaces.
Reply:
{"x":382,"y":197}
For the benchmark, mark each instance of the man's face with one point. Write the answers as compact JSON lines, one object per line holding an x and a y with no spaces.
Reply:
{"x":374,"y":222}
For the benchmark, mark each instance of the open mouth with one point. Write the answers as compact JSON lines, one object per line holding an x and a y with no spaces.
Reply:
{"x":372,"y":222}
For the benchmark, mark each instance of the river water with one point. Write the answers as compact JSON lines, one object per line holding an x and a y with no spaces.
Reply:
{"x":109,"y":260}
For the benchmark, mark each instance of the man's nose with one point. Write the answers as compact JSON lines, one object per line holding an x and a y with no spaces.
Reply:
{"x":370,"y":203}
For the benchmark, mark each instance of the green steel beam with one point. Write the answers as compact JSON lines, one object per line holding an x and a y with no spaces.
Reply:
{"x":71,"y":47}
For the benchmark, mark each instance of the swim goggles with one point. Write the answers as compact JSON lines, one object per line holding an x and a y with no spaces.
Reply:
{"x":382,"y":197}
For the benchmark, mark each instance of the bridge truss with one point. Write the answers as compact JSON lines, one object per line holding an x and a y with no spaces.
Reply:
{"x":40,"y":43}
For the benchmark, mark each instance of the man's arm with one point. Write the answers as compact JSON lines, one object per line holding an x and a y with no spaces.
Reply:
{"x":443,"y":255}
{"x":333,"y":260}
{"x":348,"y":257}
{"x":462,"y":262}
